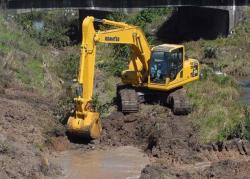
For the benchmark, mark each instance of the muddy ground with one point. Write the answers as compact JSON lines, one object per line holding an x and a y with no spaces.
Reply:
{"x":29,"y":133}
{"x":173,"y":142}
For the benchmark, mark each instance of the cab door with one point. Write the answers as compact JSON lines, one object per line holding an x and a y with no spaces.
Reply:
{"x":176,"y":63}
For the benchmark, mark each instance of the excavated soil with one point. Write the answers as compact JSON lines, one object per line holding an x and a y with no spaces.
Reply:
{"x":30,"y":135}
{"x":172,"y":142}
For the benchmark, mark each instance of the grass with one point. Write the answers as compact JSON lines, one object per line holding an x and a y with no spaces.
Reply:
{"x":217,"y":109}
{"x":24,"y":61}
{"x":32,"y":73}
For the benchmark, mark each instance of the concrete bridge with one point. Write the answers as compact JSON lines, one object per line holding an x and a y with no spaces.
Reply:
{"x":117,"y":3}
{"x":218,"y":17}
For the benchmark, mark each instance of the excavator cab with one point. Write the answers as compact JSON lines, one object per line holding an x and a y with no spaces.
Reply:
{"x":165,"y":64}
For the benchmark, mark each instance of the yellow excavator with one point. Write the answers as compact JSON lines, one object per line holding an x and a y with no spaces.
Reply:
{"x":154,"y":74}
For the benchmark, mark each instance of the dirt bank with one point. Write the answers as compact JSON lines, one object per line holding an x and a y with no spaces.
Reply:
{"x":25,"y":118}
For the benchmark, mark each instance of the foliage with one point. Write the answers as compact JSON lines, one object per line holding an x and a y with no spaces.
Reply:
{"x":48,"y":27}
{"x":67,"y":70}
{"x":147,"y":16}
{"x":210,"y":52}
{"x":64,"y":108}
{"x":116,"y":64}
{"x":32,"y":73}
{"x":142,"y":18}
{"x":23,"y":59}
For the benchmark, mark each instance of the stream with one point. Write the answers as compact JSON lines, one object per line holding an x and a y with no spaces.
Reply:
{"x":119,"y":163}
{"x":245,"y":97}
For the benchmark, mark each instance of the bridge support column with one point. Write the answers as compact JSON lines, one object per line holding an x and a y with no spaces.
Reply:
{"x":236,"y":13}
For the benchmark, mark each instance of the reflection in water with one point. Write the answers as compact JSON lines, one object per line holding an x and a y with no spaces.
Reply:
{"x":245,"y":98}
{"x":120,"y":163}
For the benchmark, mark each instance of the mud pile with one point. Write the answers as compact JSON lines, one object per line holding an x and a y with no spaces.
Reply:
{"x":172,"y":141}
{"x":155,"y":129}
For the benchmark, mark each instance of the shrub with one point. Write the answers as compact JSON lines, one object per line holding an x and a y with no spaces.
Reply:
{"x":210,"y":52}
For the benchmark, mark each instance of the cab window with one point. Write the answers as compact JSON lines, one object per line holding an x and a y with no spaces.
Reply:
{"x":159,"y":66}
{"x":176,"y":62}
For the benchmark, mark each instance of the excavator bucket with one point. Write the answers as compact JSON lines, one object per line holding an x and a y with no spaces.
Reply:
{"x":88,"y":125}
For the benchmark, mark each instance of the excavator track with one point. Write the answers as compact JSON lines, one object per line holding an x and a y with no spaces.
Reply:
{"x":179,"y":102}
{"x":128,"y":100}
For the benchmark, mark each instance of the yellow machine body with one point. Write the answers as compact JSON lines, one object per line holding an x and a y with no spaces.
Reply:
{"x":85,"y":120}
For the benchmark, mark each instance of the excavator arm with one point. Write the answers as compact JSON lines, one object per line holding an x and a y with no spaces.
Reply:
{"x":130,"y":35}
{"x":85,"y":121}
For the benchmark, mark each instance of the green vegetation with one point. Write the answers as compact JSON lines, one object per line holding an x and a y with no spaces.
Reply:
{"x":67,"y":69}
{"x":23,"y":60}
{"x":147,"y":19}
{"x":246,"y":132}
{"x":49,"y":27}
{"x":31,"y":73}
{"x":217,"y":112}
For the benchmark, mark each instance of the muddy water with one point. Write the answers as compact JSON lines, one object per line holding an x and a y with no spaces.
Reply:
{"x":120,"y":163}
{"x":245,"y":98}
